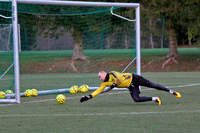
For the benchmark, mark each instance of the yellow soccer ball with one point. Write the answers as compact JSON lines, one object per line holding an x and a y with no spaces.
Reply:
{"x":28,"y":93}
{"x":74,"y":89}
{"x":60,"y":99}
{"x":2,"y":95}
{"x":9,"y":92}
{"x":34,"y":92}
{"x":84,"y":88}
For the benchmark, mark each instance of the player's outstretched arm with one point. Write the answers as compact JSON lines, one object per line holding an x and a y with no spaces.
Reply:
{"x":98,"y":91}
{"x":109,"y":88}
{"x":94,"y":94}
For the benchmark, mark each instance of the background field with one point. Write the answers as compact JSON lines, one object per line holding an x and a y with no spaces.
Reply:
{"x":114,"y":112}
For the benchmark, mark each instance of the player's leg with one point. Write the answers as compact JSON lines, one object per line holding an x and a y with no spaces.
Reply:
{"x":135,"y":94}
{"x":145,"y":82}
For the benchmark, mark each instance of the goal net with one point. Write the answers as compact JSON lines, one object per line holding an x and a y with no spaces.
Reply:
{"x":9,"y":89}
{"x":66,"y":43}
{"x":6,"y":61}
{"x":5,"y":37}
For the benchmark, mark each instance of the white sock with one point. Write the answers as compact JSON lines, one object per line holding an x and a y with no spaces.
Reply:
{"x":154,"y":98}
{"x":171,"y":91}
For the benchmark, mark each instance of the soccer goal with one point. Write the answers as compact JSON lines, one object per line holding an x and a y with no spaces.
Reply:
{"x":9,"y":50}
{"x":100,"y":28}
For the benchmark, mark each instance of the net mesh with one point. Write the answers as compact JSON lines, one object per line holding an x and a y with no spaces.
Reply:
{"x":5,"y":37}
{"x":50,"y":33}
{"x":152,"y":33}
{"x":6,"y":58}
{"x":94,"y":26}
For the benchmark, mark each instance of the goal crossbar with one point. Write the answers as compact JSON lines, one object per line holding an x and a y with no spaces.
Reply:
{"x":76,"y":3}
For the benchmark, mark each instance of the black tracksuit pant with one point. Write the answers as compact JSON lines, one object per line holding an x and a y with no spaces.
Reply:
{"x":137,"y":81}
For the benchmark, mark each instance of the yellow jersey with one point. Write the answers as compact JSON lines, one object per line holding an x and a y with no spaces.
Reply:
{"x":122,"y":80}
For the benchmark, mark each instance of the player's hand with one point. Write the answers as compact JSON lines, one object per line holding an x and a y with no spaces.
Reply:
{"x":85,"y":98}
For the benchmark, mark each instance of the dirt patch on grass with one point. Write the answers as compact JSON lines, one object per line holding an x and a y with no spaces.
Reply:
{"x":109,"y":63}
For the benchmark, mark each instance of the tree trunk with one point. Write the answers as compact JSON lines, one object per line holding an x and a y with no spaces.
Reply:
{"x":151,"y":41}
{"x":190,"y":36}
{"x":78,"y":53}
{"x":151,"y":36}
{"x":78,"y":46}
{"x":108,"y":41}
{"x":190,"y":42}
{"x":173,"y":52}
{"x":126,"y":41}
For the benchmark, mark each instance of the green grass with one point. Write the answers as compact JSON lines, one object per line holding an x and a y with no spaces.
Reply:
{"x":99,"y":52}
{"x":114,"y":112}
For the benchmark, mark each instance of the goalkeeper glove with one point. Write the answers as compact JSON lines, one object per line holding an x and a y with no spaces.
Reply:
{"x":85,"y":98}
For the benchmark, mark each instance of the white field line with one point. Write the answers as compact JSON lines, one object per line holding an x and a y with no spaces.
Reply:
{"x":98,"y":114}
{"x":113,"y":93}
{"x":188,"y":85}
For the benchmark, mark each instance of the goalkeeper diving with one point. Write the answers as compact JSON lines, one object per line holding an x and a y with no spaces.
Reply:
{"x":132,"y":82}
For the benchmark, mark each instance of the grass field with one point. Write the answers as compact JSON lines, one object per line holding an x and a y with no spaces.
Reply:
{"x":113,"y":112}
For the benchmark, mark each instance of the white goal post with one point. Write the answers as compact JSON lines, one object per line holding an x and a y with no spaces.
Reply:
{"x":136,"y":6}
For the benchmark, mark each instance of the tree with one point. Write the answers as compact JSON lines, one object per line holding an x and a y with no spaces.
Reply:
{"x":177,"y":14}
{"x":190,"y":19}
